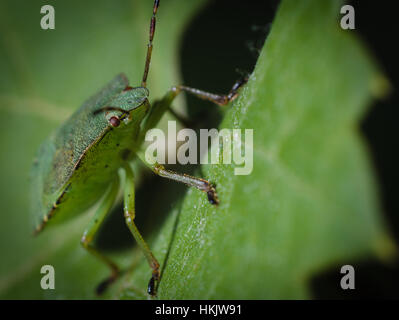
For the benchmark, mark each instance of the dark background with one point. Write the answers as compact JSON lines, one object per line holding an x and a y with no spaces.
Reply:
{"x":236,"y":42}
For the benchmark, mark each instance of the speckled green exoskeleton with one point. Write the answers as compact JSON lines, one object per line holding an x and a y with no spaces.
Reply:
{"x":77,"y":166}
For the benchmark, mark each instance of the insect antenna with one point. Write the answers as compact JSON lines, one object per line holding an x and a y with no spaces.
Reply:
{"x":149,"y":46}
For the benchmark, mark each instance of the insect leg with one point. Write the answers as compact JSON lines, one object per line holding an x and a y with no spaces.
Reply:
{"x":129,"y":212}
{"x":219,"y":99}
{"x":198,"y":183}
{"x":92,"y":229}
{"x":161,"y":106}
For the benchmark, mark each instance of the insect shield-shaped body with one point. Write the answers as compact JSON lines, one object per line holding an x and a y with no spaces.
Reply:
{"x":76,"y":164}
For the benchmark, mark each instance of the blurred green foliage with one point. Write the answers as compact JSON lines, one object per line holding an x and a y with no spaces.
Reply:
{"x":310,"y":202}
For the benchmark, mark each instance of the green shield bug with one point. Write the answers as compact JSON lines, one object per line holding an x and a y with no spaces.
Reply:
{"x":78,"y":164}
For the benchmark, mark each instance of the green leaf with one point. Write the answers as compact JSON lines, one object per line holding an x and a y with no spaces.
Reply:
{"x":310,"y":202}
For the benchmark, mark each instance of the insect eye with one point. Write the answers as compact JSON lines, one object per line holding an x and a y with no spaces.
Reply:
{"x":114,"y":121}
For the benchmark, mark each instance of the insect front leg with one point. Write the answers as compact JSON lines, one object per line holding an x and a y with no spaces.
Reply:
{"x":161,"y":106}
{"x":95,"y":223}
{"x":198,"y":183}
{"x":219,"y":99}
{"x":129,"y":213}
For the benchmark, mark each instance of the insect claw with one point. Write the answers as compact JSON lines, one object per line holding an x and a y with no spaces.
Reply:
{"x":151,"y":289}
{"x":151,"y":286}
{"x":212,"y":197}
